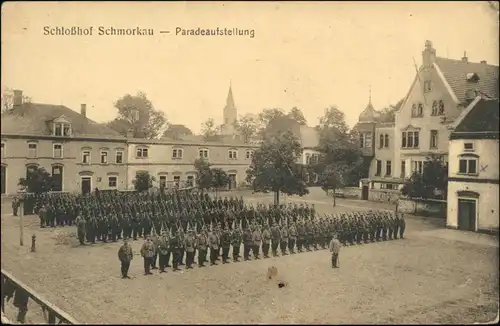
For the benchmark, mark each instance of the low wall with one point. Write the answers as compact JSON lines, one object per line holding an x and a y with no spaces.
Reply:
{"x":423,"y":207}
{"x":385,"y":196}
{"x":352,"y":192}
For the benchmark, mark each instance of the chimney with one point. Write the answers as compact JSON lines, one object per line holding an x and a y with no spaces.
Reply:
{"x":18,"y":98}
{"x":428,"y":55}
{"x":130,"y":133}
{"x":83,"y":110}
{"x":483,"y":61}
{"x":464,"y":58}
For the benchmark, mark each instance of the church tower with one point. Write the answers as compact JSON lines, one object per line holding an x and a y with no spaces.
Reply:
{"x":230,"y":115}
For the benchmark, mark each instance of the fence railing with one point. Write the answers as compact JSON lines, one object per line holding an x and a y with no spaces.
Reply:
{"x":22,"y":294}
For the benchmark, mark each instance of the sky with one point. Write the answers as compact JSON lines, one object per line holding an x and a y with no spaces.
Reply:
{"x":308,"y":55}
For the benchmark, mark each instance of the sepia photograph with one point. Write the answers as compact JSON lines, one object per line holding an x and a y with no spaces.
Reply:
{"x":250,"y":162}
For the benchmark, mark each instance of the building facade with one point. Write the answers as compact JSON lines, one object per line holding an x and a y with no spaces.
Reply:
{"x":79,"y":153}
{"x":473,"y":178}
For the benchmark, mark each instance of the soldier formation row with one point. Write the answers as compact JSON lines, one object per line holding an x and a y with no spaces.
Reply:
{"x":285,"y":238}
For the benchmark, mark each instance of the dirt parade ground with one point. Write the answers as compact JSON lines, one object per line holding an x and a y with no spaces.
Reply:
{"x":434,"y":275}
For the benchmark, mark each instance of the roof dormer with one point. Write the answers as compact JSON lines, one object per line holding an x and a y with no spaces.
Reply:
{"x":61,"y":127}
{"x":472,"y":77}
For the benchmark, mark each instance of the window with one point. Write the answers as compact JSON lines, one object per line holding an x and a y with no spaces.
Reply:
{"x":32,"y":150}
{"x":58,"y":129}
{"x":112,"y":182}
{"x":417,"y":110}
{"x":381,"y":140}
{"x":177,"y":153}
{"x":314,"y":159}
{"x":365,"y":140}
{"x":434,"y":139}
{"x":388,"y":186}
{"x":119,"y":157}
{"x":248,"y":154}
{"x":163,"y":181}
{"x":467,"y":165}
{"x":468,"y":147}
{"x":66,"y":130}
{"x":441,"y":107}
{"x":434,"y":108}
{"x":190,"y":181}
{"x":386,"y":140}
{"x":308,"y":159}
{"x":388,"y":168}
{"x":58,"y":151}
{"x":177,"y":180}
{"x":427,"y":86}
{"x":104,"y":157}
{"x":418,"y":166}
{"x":141,"y":152}
{"x":203,"y":153}
{"x":62,"y":129}
{"x":3,"y":149}
{"x":410,"y":139}
{"x":379,"y":168}
{"x":403,"y":169}
{"x":233,"y":154}
{"x":420,"y":110}
{"x":86,"y":157}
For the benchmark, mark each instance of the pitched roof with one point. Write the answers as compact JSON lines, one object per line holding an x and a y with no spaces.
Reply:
{"x":309,"y":137}
{"x":481,"y":116}
{"x":34,"y":119}
{"x":455,"y":72}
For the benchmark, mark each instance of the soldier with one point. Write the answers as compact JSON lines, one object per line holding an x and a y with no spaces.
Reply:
{"x":182,"y":249}
{"x":126,"y":225}
{"x":190,"y":246}
{"x":114,"y":226}
{"x":42,"y":213}
{"x":147,"y":225}
{"x":148,"y":252}
{"x":156,"y":242}
{"x":247,"y":243}
{"x":301,"y":230}
{"x":225,"y":241}
{"x":214,"y":247}
{"x":81,"y":228}
{"x":163,"y":250}
{"x":402,"y":225}
{"x":266,"y":240}
{"x":256,"y":239}
{"x":201,"y":243}
{"x":125,"y":255}
{"x":284,"y":239}
{"x":395,"y":225}
{"x":236,"y":243}
{"x":175,"y":247}
{"x":335,"y":250}
{"x":92,"y":230}
{"x":309,"y":235}
{"x":276,"y":239}
{"x":292,"y":232}
{"x":135,"y":226}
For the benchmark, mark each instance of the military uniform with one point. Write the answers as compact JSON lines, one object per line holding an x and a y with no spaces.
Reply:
{"x":148,"y":252}
{"x":201,"y":243}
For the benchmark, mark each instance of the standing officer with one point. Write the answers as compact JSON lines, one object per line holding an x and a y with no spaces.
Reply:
{"x":256,"y":239}
{"x":236,"y":243}
{"x":275,"y":237}
{"x":156,"y":242}
{"x":247,"y":243}
{"x":148,"y":252}
{"x":214,"y":247}
{"x":125,"y":255}
{"x":201,"y":243}
{"x":163,"y":251}
{"x":175,"y":247}
{"x":266,"y":240}
{"x":81,"y":227}
{"x":292,"y":233}
{"x":190,"y":247}
{"x":284,"y":239}
{"x":225,"y":241}
{"x":335,"y":250}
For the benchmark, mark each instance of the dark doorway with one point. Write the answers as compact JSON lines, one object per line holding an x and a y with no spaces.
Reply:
{"x":86,"y":185}
{"x":3,"y":176}
{"x":467,"y":214}
{"x":232,"y":181}
{"x":57,"y":178}
{"x":364,"y":192}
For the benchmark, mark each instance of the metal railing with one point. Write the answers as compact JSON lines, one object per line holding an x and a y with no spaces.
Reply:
{"x":22,"y":294}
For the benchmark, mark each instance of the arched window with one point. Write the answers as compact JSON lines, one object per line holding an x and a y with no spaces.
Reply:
{"x":441,"y":107}
{"x":434,"y":108}
{"x":386,"y":143}
{"x":381,"y":140}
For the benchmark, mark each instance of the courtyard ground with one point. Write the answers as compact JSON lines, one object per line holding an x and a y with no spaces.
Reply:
{"x":435,"y":275}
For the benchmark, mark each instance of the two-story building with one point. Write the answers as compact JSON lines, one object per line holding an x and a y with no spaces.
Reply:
{"x":473,"y":176}
{"x":442,"y":88}
{"x":171,"y":162}
{"x":79,"y":153}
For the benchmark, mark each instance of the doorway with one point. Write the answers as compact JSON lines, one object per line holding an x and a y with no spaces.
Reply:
{"x":232,"y":181}
{"x":86,"y":185}
{"x":467,"y":214}
{"x":364,"y":192}
{"x":57,"y":178}
{"x":3,"y":176}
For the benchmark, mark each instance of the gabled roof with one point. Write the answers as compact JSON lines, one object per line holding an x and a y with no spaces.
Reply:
{"x":481,"y":116}
{"x":35,"y":118}
{"x":455,"y":72}
{"x":309,"y":137}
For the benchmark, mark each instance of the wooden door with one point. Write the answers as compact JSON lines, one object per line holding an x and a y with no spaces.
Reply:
{"x":467,"y":214}
{"x":57,"y":178}
{"x":364,"y":193}
{"x":3,"y":175}
{"x":86,"y":185}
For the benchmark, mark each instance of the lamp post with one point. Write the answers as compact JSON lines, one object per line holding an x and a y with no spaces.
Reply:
{"x":21,"y":215}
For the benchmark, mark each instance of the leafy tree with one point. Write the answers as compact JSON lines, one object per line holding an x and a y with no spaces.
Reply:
{"x":332,"y":178}
{"x":274,"y":167}
{"x":334,"y":119}
{"x":220,"y":179}
{"x":8,"y":100}
{"x":137,"y":113}
{"x":203,"y":174}
{"x":38,"y":180}
{"x":432,"y":183}
{"x":388,"y":114}
{"x":177,"y":131}
{"x":247,"y":126}
{"x":143,"y":181}
{"x":297,"y":115}
{"x":274,"y":122}
{"x":210,"y":130}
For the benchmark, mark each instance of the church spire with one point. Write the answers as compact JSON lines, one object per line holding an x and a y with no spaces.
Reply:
{"x":370,"y":96}
{"x":230,"y":101}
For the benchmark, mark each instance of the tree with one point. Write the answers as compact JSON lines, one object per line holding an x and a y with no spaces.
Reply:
{"x":143,"y":181}
{"x":38,"y":180}
{"x":203,"y":174}
{"x":388,"y":114}
{"x":8,"y":100}
{"x":274,"y":167}
{"x":137,"y":113}
{"x":220,"y":179}
{"x":335,"y":119}
{"x":177,"y":131}
{"x":210,"y":130}
{"x":431,"y":183}
{"x":332,"y":178}
{"x":247,"y":126}
{"x":275,"y":122}
{"x":297,"y":115}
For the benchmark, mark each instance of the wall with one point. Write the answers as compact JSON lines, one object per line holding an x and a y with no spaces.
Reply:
{"x":488,"y":161}
{"x":487,"y":207}
{"x":383,"y":154}
{"x":306,"y":152}
{"x":424,"y":124}
{"x":386,"y":196}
